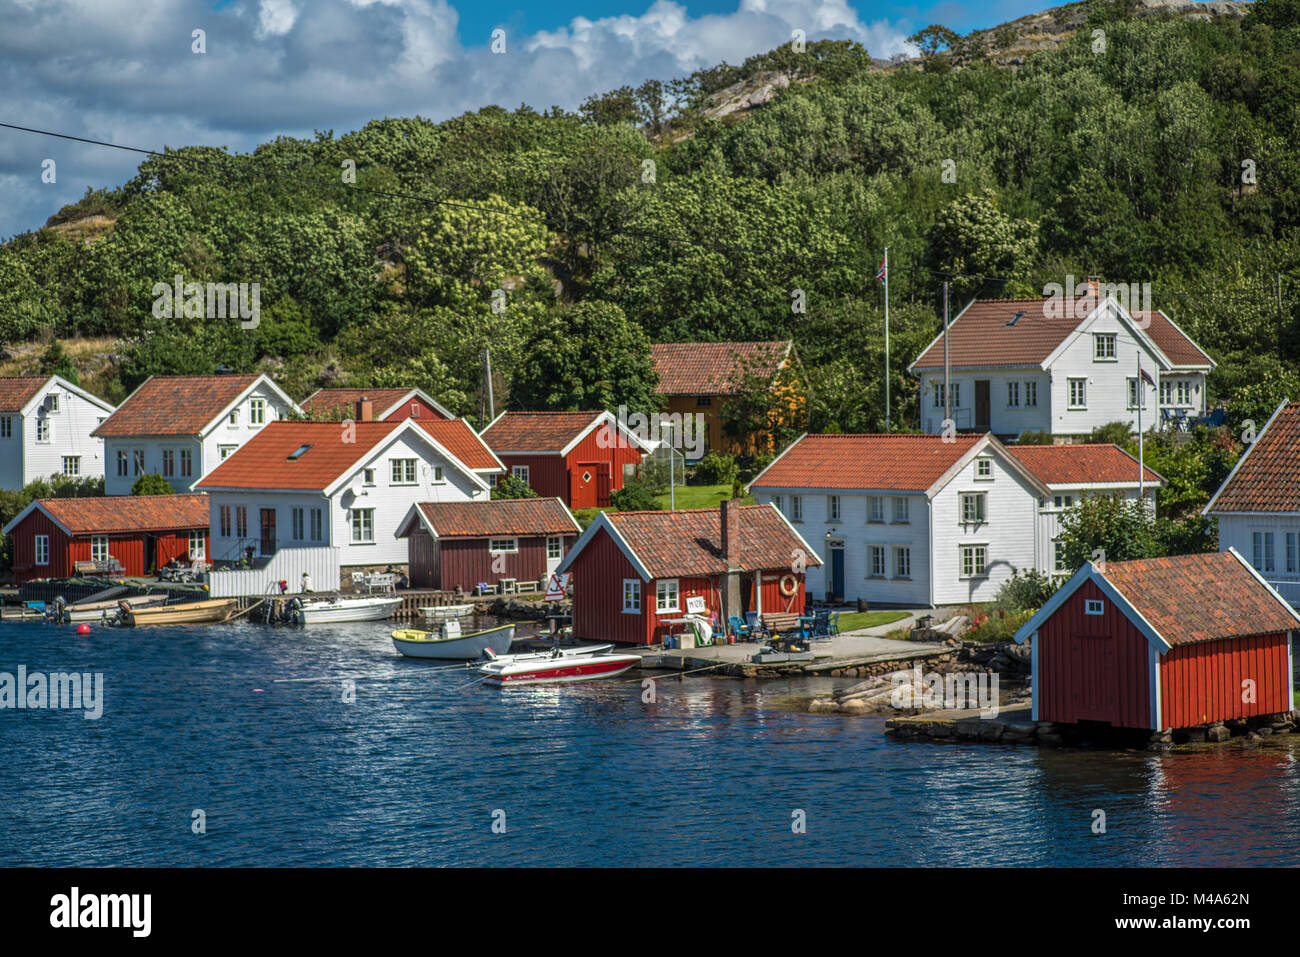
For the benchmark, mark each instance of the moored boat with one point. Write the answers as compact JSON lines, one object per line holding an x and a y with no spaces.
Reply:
{"x":315,"y":611}
{"x":449,"y":644}
{"x":445,"y":612}
{"x":190,"y":612}
{"x":557,"y":665}
{"x":96,"y":610}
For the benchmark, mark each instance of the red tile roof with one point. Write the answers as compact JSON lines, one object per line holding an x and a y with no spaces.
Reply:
{"x":17,"y":391}
{"x":128,"y":513}
{"x":516,"y":516}
{"x":1081,"y":464}
{"x":688,"y":541}
{"x":902,"y":462}
{"x":1267,"y":479}
{"x":536,"y":432}
{"x":980,"y":336}
{"x":174,"y":405}
{"x":456,"y":436}
{"x":342,"y":403}
{"x":1191,"y":598}
{"x":263,"y":461}
{"x":715,"y":368}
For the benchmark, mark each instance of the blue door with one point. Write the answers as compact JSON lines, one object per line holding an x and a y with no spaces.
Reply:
{"x":837,"y":574}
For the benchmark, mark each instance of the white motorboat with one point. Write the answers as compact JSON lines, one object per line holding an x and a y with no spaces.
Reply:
{"x":316,"y":611}
{"x":557,"y":665}
{"x":449,"y":644}
{"x":446,"y":612}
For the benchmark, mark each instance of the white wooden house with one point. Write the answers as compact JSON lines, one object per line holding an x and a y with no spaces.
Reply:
{"x":1063,"y":367}
{"x":1258,"y":504}
{"x":181,"y":427}
{"x":46,"y":429}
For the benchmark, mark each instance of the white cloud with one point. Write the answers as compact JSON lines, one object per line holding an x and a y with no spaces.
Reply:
{"x":276,"y":18}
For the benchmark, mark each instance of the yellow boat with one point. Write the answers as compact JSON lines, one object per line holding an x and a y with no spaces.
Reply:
{"x":190,"y":612}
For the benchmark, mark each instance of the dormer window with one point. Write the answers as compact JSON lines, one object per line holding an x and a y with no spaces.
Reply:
{"x":1104,"y":346}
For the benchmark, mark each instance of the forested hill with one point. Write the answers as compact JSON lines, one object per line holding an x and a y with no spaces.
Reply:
{"x":1154,"y":148}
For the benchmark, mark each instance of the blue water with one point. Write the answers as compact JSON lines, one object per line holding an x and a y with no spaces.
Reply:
{"x":412,"y":772}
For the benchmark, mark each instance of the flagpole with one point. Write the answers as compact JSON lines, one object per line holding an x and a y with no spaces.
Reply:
{"x":887,"y":426}
{"x":1142,"y":400}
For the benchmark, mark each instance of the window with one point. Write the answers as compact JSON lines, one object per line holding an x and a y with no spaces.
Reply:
{"x":938,"y":394}
{"x":187,"y":462}
{"x":1078,"y":393}
{"x":974,"y":561}
{"x":137,"y":461}
{"x":368,"y":476}
{"x":500,"y":546}
{"x":415,"y":410}
{"x":900,"y":510}
{"x":972,"y":507}
{"x":1064,"y":501}
{"x":298,"y":525}
{"x":1013,"y":393}
{"x":956,"y":394}
{"x":796,"y":508}
{"x":6,"y":426}
{"x":42,"y":549}
{"x":363,"y":525}
{"x":241,"y":521}
{"x":631,"y":596}
{"x":169,"y":463}
{"x":437,"y":475}
{"x":666,"y":596}
{"x":316,"y":525}
{"x":256,"y":411}
{"x":72,"y":465}
{"x":1058,"y":559}
{"x":225,"y":451}
{"x":1134,"y":393}
{"x":983,"y":468}
{"x":875,"y":508}
{"x":1184,"y":387}
{"x":554,"y":547}
{"x":52,"y":402}
{"x":1291,"y":558}
{"x":875,"y":561}
{"x":232,"y":421}
{"x":902,"y":562}
{"x":99,"y":548}
{"x":832,"y":508}
{"x":1094,"y":606}
{"x":703,"y":400}
{"x":223,"y":520}
{"x":520,"y":472}
{"x":403,"y":471}
{"x":42,"y":430}
{"x":776,"y":502}
{"x":1166,"y":391}
{"x":1104,"y":346}
{"x":1262,"y":543}
{"x":123,"y":463}
{"x":1031,"y":393}
{"x":198,"y":550}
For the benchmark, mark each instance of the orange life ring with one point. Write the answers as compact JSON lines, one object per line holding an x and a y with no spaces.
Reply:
{"x":789,"y":584}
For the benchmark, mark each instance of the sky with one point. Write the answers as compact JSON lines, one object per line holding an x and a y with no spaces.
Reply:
{"x":126,"y":71}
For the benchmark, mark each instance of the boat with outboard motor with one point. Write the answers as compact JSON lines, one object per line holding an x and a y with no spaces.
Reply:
{"x":449,"y":644}
{"x":584,"y":663}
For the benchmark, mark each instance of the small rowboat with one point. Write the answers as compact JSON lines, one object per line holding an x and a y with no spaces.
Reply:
{"x":95,"y":610}
{"x":444,"y":612}
{"x":557,"y":665}
{"x":191,"y":612}
{"x":449,"y":644}
{"x":315,"y":611}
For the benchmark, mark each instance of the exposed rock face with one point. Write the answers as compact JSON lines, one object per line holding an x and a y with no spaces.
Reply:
{"x":757,"y":90}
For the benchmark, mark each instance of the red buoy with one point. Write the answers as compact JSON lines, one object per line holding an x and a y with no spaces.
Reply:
{"x":83,"y":629}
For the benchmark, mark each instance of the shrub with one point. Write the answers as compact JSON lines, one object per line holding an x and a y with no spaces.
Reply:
{"x":717,"y":469}
{"x":636,"y":495}
{"x":1027,"y":591}
{"x":1030,"y":437}
{"x":151,"y":483}
{"x":1116,"y":433}
{"x":512,"y":486}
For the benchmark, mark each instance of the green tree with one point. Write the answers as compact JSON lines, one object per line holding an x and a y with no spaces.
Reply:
{"x":636,"y":495}
{"x":56,"y":361}
{"x":151,"y":483}
{"x":1120,"y":529}
{"x":513,"y":487}
{"x":972,"y":236}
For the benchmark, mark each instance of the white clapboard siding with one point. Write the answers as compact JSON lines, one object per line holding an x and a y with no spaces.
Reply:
{"x":287,"y":564}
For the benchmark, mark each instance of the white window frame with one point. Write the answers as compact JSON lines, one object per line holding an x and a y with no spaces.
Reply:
{"x":438,"y":478}
{"x":241,"y":521}
{"x":358,"y":519}
{"x":1104,"y":345}
{"x":44,"y":431}
{"x":1031,"y":394}
{"x":796,"y":508}
{"x":776,"y":503}
{"x":403,"y":472}
{"x":137,"y":462}
{"x":225,"y":451}
{"x":1013,"y":394}
{"x":902,"y":510}
{"x":980,"y":502}
{"x":198,"y":545}
{"x":99,"y":548}
{"x":1263,"y":553}
{"x":903,"y":562}
{"x":299,"y":523}
{"x":976,"y":569}
{"x":832,"y":508}
{"x":317,"y":524}
{"x":503,"y":546}
{"x":1134,"y":402}
{"x":257,"y":411}
{"x":984,"y":468}
{"x":631,"y":596}
{"x":877,"y":558}
{"x":1058,"y":561}
{"x":1082,"y":384}
{"x":1292,"y":553}
{"x":42,"y":548}
{"x":554,"y":546}
{"x":521,"y":472}
{"x":76,"y":465}
{"x":185,"y":465}
{"x":875,"y":509}
{"x":1183,"y":390}
{"x":668,"y":595}
{"x":1166,"y":391}
{"x":368,"y":477}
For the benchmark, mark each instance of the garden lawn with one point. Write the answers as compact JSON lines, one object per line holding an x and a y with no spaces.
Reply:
{"x":702,"y":496}
{"x":853,"y":620}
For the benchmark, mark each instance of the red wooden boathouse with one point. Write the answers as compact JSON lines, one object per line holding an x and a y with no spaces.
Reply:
{"x":142,"y":532}
{"x":459,"y":544}
{"x":577,"y":457}
{"x":634,"y":571}
{"x":1162,"y":643}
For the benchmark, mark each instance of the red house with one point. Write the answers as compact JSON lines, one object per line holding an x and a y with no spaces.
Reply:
{"x":379,"y":405}
{"x":142,"y":532}
{"x":457,"y":545}
{"x":577,"y":457}
{"x":633,"y":572}
{"x":1162,"y":643}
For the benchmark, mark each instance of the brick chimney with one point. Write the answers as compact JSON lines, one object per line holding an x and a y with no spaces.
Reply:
{"x":365,"y":409}
{"x":731,"y":532}
{"x":1094,"y":287}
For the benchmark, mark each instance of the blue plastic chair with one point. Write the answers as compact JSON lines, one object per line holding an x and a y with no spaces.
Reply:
{"x":739,"y":628}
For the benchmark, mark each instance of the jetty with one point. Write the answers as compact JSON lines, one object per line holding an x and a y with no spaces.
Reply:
{"x":837,"y":656}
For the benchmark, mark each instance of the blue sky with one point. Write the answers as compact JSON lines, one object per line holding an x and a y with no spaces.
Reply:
{"x":125,"y":71}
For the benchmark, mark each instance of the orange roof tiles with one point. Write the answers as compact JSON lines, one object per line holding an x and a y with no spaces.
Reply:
{"x":536,"y":432}
{"x":344,"y":401}
{"x":263,"y":461}
{"x":1081,"y":464}
{"x":1267,"y":479}
{"x":715,"y":368}
{"x":689,"y":541}
{"x":128,"y":513}
{"x":174,"y":405}
{"x":456,"y":436}
{"x":1181,"y":350}
{"x":902,"y":462}
{"x":1192,"y":598}
{"x":17,"y":391}
{"x":515,"y":516}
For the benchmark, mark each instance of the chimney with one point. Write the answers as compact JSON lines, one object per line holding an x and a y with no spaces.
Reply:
{"x":365,"y":409}
{"x":731,"y":532}
{"x":1094,"y":287}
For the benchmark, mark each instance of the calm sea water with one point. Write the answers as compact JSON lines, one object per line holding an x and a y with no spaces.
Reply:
{"x":413,"y":772}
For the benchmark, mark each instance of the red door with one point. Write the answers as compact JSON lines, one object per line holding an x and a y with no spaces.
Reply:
{"x":583,"y":485}
{"x":604,"y":478}
{"x":1093,"y":675}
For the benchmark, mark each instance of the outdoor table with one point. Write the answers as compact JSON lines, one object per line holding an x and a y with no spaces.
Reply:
{"x":509,"y":585}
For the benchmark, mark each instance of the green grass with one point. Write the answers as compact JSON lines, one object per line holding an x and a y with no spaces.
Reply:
{"x":702,"y":496}
{"x":853,"y":620}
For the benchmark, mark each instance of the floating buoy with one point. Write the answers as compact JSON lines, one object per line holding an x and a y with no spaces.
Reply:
{"x":83,"y":629}
{"x":258,"y":691}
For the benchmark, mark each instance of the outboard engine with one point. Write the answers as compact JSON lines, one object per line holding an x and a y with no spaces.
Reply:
{"x":58,"y":610}
{"x":294,"y":611}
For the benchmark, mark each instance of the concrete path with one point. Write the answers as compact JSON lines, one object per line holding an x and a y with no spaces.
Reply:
{"x":841,"y":651}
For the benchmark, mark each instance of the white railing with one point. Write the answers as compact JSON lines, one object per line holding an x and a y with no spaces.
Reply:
{"x":287,"y":564}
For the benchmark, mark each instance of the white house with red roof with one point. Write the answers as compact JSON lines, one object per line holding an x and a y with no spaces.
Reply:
{"x":46,"y":428}
{"x":181,"y":427}
{"x":1059,"y":365}
{"x":1258,"y":504}
{"x":341,"y":485}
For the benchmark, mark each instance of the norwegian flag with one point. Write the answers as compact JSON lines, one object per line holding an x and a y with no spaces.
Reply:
{"x":1146,"y":377}
{"x":880,"y":273}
